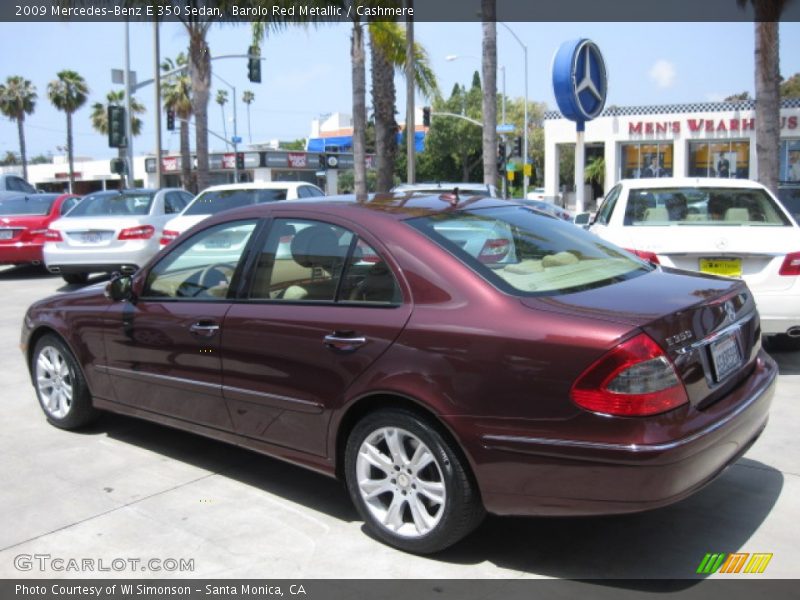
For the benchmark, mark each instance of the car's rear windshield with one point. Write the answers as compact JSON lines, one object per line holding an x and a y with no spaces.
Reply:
{"x":113,"y":204}
{"x":719,"y":207}
{"x":33,"y":204}
{"x":526,"y":254}
{"x":212,"y":202}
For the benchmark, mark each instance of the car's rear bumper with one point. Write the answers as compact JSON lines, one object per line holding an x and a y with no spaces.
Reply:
{"x":779,"y":311}
{"x":522,"y":474}
{"x":68,"y":260}
{"x":20,"y":253}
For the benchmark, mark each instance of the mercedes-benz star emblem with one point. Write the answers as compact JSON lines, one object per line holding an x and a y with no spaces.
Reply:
{"x":587,"y":83}
{"x":730,"y":311}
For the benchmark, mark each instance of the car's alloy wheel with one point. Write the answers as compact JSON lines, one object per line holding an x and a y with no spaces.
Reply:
{"x":410,"y":485}
{"x":60,"y":386}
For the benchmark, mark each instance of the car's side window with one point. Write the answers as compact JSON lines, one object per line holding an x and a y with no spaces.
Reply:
{"x":302,"y":192}
{"x":173,"y":203}
{"x":313,"y":192}
{"x":607,"y":208}
{"x":311,"y":261}
{"x":202,"y":267}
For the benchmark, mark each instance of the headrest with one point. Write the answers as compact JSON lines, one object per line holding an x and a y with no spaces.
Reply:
{"x":315,"y":246}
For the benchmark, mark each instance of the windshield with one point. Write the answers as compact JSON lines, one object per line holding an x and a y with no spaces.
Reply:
{"x":212,"y":202}
{"x":113,"y":204}
{"x":718,"y":207}
{"x":35,"y":204}
{"x":527,"y":254}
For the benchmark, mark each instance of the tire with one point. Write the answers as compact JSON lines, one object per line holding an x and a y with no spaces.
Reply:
{"x":451,"y":504}
{"x":76,"y":278}
{"x":60,"y":385}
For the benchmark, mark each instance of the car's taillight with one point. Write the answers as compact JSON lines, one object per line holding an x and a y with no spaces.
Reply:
{"x":493,"y":251}
{"x":143,"y":232}
{"x":53,"y":235}
{"x":36,"y":233}
{"x":168,"y":236}
{"x":791,"y":264}
{"x":634,"y":379}
{"x":645,"y":255}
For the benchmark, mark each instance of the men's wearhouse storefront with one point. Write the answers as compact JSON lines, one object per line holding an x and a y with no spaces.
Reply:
{"x":712,"y":139}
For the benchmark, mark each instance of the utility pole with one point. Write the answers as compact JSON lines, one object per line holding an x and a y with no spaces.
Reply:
{"x":411,"y":171}
{"x":128,"y":116}
{"x":157,"y":71}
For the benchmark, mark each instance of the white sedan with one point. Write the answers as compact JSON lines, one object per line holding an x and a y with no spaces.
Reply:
{"x":110,"y":231}
{"x":224,"y":197}
{"x":727,"y":227}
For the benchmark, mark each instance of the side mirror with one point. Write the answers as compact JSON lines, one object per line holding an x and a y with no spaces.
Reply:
{"x":119,"y":289}
{"x":584,"y":218}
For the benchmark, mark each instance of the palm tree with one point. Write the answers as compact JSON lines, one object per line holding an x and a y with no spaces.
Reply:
{"x":176,"y":92}
{"x":248,"y":97}
{"x":99,"y":116}
{"x":222,"y":100}
{"x":489,"y":64}
{"x":388,"y":54}
{"x":68,"y":93}
{"x":17,"y":99}
{"x":767,"y":76}
{"x":359,"y":83}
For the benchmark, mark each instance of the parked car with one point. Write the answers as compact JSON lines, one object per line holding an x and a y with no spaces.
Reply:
{"x":546,"y":207}
{"x":470,"y":189}
{"x":225,"y":197}
{"x":24,"y":219}
{"x":609,"y":385}
{"x":15,"y":183}
{"x":789,"y":195}
{"x":110,"y":231}
{"x":731,"y":228}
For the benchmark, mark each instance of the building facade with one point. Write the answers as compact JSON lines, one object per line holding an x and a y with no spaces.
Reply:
{"x":710,"y":139}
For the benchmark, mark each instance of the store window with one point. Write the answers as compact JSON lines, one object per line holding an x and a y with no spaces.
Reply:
{"x":719,"y":159}
{"x":646,"y":160}
{"x":790,"y":160}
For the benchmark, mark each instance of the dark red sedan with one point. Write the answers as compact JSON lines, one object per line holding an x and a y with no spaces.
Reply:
{"x":24,"y":220}
{"x":445,"y":357}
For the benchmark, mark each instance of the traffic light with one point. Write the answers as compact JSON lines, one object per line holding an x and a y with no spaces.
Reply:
{"x":518,"y":146}
{"x":116,"y":127}
{"x":118,"y":166}
{"x":170,"y":120}
{"x":426,"y":116}
{"x":240,"y":160}
{"x":254,"y":65}
{"x":501,"y":155}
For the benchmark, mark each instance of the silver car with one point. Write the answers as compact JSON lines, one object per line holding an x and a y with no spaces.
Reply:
{"x":111,"y":231}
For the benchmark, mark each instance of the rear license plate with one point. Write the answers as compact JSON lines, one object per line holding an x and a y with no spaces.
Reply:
{"x":725,"y":356}
{"x":727,"y":267}
{"x":91,"y":238}
{"x":6,"y":234}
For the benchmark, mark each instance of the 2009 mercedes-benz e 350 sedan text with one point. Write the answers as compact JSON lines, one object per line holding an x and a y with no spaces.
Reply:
{"x":444,"y":356}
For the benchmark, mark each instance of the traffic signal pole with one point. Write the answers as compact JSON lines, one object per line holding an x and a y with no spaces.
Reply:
{"x":128,"y":116}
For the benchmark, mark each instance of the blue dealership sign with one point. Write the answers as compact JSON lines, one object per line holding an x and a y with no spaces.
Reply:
{"x":580,"y":81}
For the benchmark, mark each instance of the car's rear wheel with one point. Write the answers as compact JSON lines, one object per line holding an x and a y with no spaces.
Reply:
{"x":76,"y":278}
{"x":60,"y":385}
{"x":411,"y":487}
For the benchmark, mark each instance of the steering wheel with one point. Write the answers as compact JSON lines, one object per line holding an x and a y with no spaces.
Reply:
{"x":218,"y":276}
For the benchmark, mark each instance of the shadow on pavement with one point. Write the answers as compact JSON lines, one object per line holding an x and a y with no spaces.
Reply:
{"x":667,"y":543}
{"x":23,"y":272}
{"x":788,"y":360}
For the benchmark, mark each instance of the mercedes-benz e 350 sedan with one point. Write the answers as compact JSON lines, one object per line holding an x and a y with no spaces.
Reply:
{"x":540,"y":372}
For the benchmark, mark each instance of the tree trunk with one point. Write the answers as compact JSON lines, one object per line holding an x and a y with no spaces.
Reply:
{"x":22,"y":156}
{"x":359,"y":111}
{"x":489,"y":64}
{"x":200,"y":74}
{"x":383,"y":103}
{"x":768,"y":128}
{"x":69,"y":152}
{"x":186,"y":159}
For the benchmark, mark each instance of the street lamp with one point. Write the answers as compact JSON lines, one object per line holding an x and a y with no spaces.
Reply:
{"x":525,"y":132}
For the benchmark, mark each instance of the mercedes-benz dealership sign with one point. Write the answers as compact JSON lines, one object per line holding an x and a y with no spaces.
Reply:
{"x":580,"y":81}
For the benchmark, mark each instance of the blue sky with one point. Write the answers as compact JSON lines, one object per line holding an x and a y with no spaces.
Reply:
{"x":307,"y":72}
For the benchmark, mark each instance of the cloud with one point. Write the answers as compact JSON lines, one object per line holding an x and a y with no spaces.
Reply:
{"x":663,"y":73}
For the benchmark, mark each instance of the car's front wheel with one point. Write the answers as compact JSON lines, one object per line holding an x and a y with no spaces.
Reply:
{"x":411,"y":487}
{"x":60,"y":385}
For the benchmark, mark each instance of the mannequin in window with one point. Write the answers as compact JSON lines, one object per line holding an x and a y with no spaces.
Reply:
{"x":723,"y":166}
{"x":653,"y":170}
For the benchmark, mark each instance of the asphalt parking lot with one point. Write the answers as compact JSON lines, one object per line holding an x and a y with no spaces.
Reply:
{"x":130,"y":489}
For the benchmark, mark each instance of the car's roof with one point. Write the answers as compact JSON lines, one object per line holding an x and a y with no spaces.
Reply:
{"x":440,"y":185}
{"x":256,"y":185}
{"x":395,"y":206}
{"x":670,"y":182}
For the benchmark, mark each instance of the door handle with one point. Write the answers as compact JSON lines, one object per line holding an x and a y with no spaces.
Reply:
{"x":204,"y":328}
{"x":344,"y":343}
